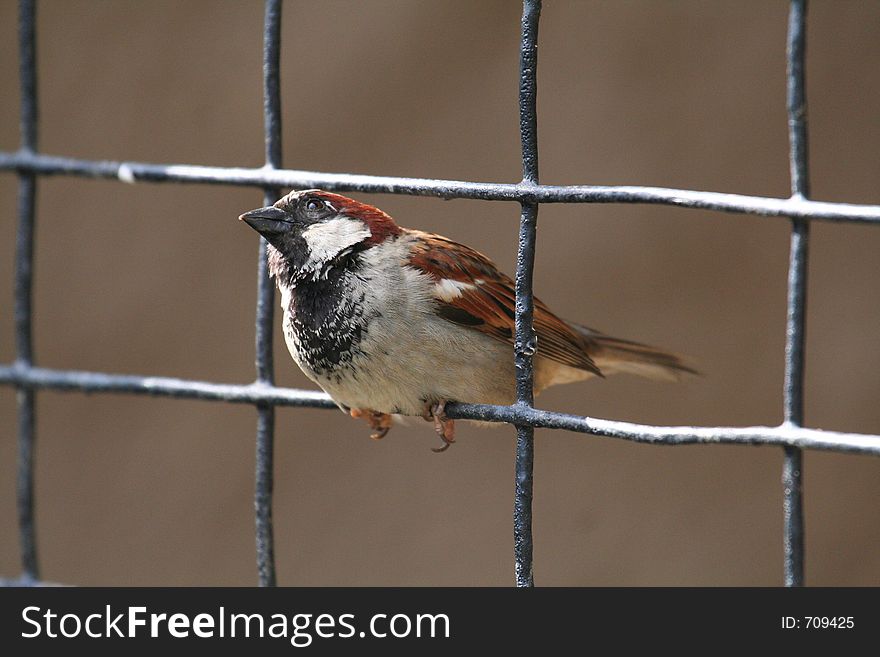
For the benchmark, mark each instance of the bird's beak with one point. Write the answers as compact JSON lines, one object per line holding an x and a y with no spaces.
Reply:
{"x":268,"y":221}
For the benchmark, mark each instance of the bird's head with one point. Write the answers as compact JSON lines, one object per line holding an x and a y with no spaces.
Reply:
{"x":311,"y":231}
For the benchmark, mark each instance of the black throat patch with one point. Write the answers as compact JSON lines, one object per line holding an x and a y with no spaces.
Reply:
{"x":326,"y":321}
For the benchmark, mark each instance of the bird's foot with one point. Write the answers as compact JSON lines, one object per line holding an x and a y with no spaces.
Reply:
{"x":380,"y":423}
{"x":444,"y":427}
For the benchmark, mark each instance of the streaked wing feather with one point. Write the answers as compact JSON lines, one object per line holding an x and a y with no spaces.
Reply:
{"x":485,"y":300}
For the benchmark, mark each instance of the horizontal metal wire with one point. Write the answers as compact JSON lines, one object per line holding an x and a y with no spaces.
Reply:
{"x":256,"y":393}
{"x":522,"y":192}
{"x":160,"y":386}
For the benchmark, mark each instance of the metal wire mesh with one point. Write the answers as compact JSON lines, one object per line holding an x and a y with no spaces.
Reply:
{"x":791,"y":435}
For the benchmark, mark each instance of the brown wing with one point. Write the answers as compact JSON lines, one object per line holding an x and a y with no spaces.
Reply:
{"x":471,"y":291}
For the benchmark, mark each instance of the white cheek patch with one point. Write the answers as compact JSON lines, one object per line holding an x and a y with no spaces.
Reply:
{"x":449,"y":290}
{"x":328,"y":239}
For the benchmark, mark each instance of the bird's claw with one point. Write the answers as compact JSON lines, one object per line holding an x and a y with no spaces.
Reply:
{"x":444,"y":427}
{"x":380,"y":423}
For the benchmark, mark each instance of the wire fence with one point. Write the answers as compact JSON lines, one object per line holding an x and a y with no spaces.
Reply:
{"x":29,"y":164}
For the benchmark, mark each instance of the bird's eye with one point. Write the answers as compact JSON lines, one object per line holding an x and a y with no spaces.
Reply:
{"x":313,"y":205}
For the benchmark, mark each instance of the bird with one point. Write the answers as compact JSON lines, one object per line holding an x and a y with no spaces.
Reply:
{"x":391,"y":321}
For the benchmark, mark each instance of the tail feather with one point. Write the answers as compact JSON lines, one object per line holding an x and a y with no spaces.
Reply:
{"x":614,"y":355}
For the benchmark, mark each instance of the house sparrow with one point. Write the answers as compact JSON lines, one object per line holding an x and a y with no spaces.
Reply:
{"x":389,"y":320}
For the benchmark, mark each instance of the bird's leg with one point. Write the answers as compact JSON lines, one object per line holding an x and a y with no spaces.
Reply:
{"x":380,"y":423}
{"x":444,"y":427}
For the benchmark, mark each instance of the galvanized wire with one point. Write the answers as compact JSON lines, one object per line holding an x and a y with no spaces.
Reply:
{"x":795,"y":330}
{"x":132,"y":172}
{"x":23,"y":292}
{"x":525,"y":340}
{"x":262,"y":393}
{"x":265,"y":446}
{"x":255,"y":393}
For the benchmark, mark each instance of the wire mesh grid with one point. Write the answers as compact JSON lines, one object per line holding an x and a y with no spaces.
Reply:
{"x":26,"y":377}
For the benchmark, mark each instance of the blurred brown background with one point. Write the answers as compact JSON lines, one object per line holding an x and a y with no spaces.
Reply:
{"x":160,"y":279}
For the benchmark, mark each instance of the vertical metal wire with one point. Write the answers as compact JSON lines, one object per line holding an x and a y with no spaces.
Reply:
{"x":23,"y":293}
{"x":526,"y":340}
{"x":264,"y":480}
{"x":792,"y":470}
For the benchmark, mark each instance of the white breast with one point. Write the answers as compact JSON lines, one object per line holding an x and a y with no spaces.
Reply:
{"x":408,"y":356}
